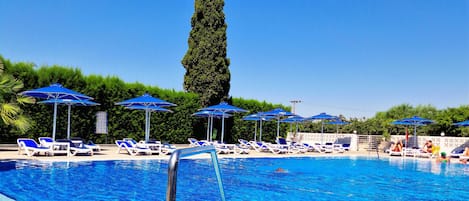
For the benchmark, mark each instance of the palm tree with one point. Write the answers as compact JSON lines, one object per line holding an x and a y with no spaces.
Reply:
{"x":10,"y":101}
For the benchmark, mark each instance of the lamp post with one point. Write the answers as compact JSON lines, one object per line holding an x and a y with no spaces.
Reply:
{"x":293,"y":104}
{"x":293,"y":110}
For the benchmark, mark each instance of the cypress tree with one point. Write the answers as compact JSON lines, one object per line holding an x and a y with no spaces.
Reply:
{"x":206,"y":64}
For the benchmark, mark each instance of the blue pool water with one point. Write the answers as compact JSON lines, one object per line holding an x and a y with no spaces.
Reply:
{"x":244,"y":179}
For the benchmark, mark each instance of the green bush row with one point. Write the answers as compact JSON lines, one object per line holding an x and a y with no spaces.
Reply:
{"x":173,"y":127}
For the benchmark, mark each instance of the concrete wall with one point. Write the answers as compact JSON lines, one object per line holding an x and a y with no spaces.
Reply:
{"x":361,"y":142}
{"x":446,"y":143}
{"x":341,"y":138}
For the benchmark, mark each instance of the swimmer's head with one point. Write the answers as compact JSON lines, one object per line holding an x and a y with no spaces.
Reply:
{"x":280,"y":170}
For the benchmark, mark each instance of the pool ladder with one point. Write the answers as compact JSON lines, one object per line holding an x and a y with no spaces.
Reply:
{"x":173,"y":168}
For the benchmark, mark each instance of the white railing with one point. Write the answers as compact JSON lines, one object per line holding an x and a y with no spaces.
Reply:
{"x":343,"y":138}
{"x":446,"y":143}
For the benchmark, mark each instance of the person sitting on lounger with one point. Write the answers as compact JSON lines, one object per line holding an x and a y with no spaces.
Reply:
{"x":428,"y":147}
{"x":442,"y":158}
{"x":465,"y":155}
{"x":397,"y":147}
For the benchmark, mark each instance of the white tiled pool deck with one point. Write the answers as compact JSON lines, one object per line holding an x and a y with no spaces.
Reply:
{"x":109,"y":152}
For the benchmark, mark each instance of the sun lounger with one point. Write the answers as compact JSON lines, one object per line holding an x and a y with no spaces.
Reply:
{"x":268,"y":147}
{"x":196,"y":143}
{"x":292,"y":147}
{"x":277,"y":149}
{"x":76,"y":148}
{"x":244,"y":144}
{"x":259,"y":146}
{"x":346,"y":147}
{"x":125,"y":145}
{"x":167,"y":148}
{"x":154,"y":146}
{"x":457,"y":152}
{"x":90,"y":144}
{"x":57,"y":147}
{"x":338,"y":148}
{"x":298,"y":147}
{"x":312,"y":147}
{"x":422,"y":153}
{"x":395,"y":153}
{"x":224,"y":149}
{"x":328,"y":147}
{"x":46,"y":141}
{"x":241,"y":149}
{"x":31,"y":148}
{"x":412,"y":152}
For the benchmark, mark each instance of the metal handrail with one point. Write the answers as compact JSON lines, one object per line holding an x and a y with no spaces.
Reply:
{"x":173,"y":168}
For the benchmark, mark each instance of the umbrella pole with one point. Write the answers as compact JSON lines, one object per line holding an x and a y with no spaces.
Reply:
{"x":322,"y":132}
{"x":296,"y":133}
{"x":211,"y":128}
{"x":55,"y":121}
{"x":208,"y":128}
{"x":146,"y":124}
{"x":260,"y":132}
{"x":148,"y":128}
{"x":255,"y":131}
{"x":278,"y":127}
{"x":415,"y":134}
{"x":68,"y":121}
{"x":222,"y":126}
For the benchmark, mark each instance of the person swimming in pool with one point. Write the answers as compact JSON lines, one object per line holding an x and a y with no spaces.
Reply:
{"x":443,"y":158}
{"x":280,"y":170}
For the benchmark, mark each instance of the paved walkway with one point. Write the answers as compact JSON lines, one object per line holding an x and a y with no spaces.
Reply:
{"x":109,"y":152}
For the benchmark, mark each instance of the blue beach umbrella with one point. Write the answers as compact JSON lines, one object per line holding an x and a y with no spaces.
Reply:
{"x":278,"y":113}
{"x":257,"y":117}
{"x":54,"y":92}
{"x":146,"y":100}
{"x":224,"y":108}
{"x":69,"y":103}
{"x":210,"y":115}
{"x":337,"y":122}
{"x":414,"y":121}
{"x":462,"y":123}
{"x":293,"y":120}
{"x":322,"y":117}
{"x":149,"y":104}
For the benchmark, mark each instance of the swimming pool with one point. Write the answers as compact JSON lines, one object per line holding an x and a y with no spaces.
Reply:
{"x":306,"y":178}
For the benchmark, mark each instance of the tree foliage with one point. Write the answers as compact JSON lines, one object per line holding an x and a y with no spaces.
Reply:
{"x":10,"y":102}
{"x":206,"y":64}
{"x":178,"y":126}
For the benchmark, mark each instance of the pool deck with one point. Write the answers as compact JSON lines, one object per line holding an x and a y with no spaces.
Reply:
{"x":109,"y":152}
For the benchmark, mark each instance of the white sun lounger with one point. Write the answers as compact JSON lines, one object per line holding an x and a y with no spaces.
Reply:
{"x":31,"y":148}
{"x":124,"y":145}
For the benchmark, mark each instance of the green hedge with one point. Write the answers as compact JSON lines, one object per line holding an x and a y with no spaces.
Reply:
{"x":173,"y":127}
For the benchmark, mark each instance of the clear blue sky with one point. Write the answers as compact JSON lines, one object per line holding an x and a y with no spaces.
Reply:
{"x":350,"y":57}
